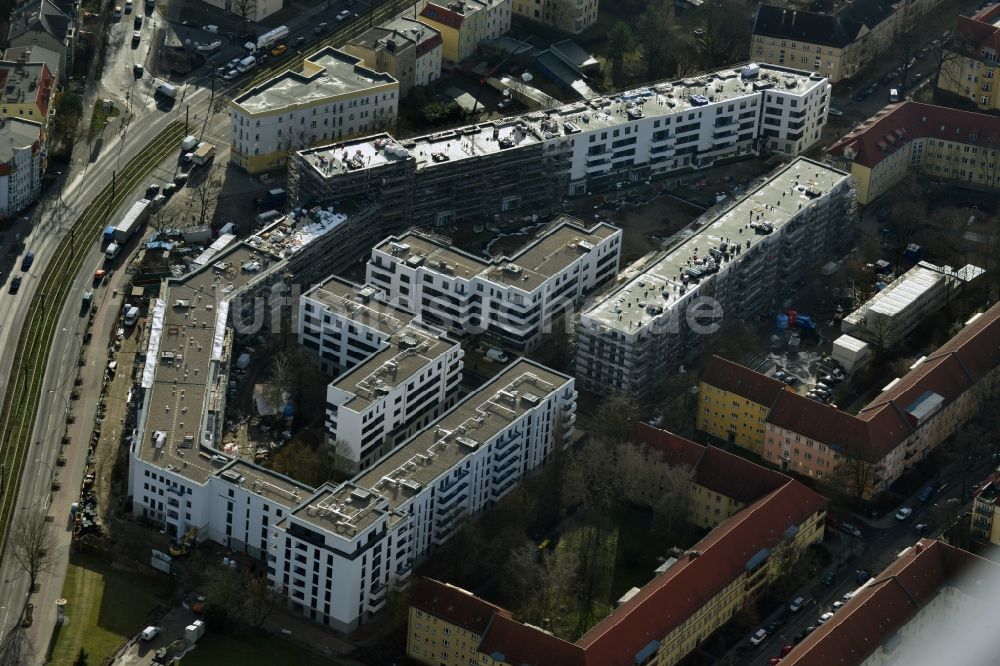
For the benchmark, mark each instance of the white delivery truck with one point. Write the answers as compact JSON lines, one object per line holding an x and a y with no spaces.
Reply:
{"x":268,"y":39}
{"x":166,"y":90}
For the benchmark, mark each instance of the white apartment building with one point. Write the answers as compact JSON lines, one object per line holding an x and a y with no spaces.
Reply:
{"x":22,"y":161}
{"x":889,"y":315}
{"x":331,"y":98}
{"x":535,"y":160}
{"x":338,"y":553}
{"x":465,"y":24}
{"x":514,"y":300}
{"x":254,"y":10}
{"x":397,"y":374}
{"x":572,"y":16}
{"x":737,"y":265}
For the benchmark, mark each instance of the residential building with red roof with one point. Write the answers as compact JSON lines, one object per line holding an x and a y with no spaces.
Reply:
{"x":908,"y":419}
{"x":941,"y":142}
{"x":985,"y":521}
{"x":969,"y":59}
{"x":688,"y":599}
{"x":935,"y":603}
{"x":733,"y":402}
{"x":464,"y":24}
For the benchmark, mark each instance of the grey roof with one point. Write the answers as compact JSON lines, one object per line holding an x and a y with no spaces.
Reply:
{"x":34,"y":54}
{"x":16,"y":135}
{"x":43,"y":15}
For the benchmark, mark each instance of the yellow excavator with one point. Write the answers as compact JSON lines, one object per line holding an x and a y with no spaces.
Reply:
{"x":183,"y":545}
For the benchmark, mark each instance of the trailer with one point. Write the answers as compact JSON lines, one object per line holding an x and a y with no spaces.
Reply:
{"x":202,"y":155}
{"x":133,"y":220}
{"x":268,"y":39}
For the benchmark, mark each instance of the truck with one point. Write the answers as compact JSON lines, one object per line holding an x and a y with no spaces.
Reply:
{"x":202,"y":155}
{"x":132,"y":221}
{"x":166,"y":90}
{"x":266,"y":40}
{"x":246,"y":64}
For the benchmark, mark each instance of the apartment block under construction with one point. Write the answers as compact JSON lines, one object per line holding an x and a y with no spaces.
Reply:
{"x":737,"y":266}
{"x":528,"y":164}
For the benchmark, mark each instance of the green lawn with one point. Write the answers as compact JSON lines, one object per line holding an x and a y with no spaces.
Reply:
{"x":219,"y":650}
{"x":105,"y":606}
{"x":99,"y":118}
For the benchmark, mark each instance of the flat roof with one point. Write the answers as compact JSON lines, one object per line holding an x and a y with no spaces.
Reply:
{"x":268,"y":484}
{"x":777,"y":200}
{"x":663,"y":99}
{"x":177,"y":372}
{"x":16,"y":134}
{"x":407,"y":351}
{"x":356,"y":302}
{"x":325,"y":74}
{"x":416,"y":463}
{"x":541,"y":258}
{"x":904,"y":291}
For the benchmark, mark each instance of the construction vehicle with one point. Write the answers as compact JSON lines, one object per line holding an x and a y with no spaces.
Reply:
{"x":183,"y":545}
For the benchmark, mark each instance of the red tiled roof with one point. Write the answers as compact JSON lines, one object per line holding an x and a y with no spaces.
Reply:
{"x":442,"y":15}
{"x":454,"y":604}
{"x":715,"y":469}
{"x":975,"y":32}
{"x":670,"y":598}
{"x":897,"y":124}
{"x":741,"y":380}
{"x":878,"y":611}
{"x":525,"y":645}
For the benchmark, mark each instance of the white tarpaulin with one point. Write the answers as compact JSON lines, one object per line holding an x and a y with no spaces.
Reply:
{"x":205,"y":258}
{"x":153,"y":351}
{"x":221,"y":314}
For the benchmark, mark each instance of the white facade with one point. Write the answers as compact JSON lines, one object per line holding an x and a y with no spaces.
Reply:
{"x":332,"y":97}
{"x":396,"y":375}
{"x":889,"y":315}
{"x":365,"y":536}
{"x":21,"y":160}
{"x":514,"y":300}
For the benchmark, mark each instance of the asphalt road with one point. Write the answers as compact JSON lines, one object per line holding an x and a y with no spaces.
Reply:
{"x":43,"y":228}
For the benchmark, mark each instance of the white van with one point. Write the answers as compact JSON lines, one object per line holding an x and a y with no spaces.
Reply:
{"x":246,"y":64}
{"x":894,"y":95}
{"x":149,"y":633}
{"x":131,"y":314}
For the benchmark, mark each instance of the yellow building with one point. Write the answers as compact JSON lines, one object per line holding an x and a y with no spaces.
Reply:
{"x":969,"y":59}
{"x":837,"y":44}
{"x":771,"y":520}
{"x":733,"y":402}
{"x":940,"y":142}
{"x":333,"y":97}
{"x":985,"y":525}
{"x":466,"y":23}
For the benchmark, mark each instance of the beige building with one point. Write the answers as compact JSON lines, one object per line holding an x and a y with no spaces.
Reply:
{"x":762,"y":521}
{"x":332,"y":98}
{"x":938,"y":141}
{"x":985,"y":523}
{"x":836,"y":43}
{"x":969,"y":59}
{"x":573,"y":16}
{"x":404,"y":48}
{"x":464,"y":24}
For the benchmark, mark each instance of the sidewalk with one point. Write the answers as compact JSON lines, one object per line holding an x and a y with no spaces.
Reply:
{"x":71,"y":474}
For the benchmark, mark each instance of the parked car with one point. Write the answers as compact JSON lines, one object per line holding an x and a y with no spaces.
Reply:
{"x":279,"y":50}
{"x":15,"y":284}
{"x":149,"y":633}
{"x":828,"y":578}
{"x":320,"y":29}
{"x":824,"y":617}
{"x":298,"y":41}
{"x":904,"y":513}
{"x":837,"y":605}
{"x":343,"y":15}
{"x":920,"y":529}
{"x":862,"y":575}
{"x":29,"y":258}
{"x":169,"y":189}
{"x":851,"y":529}
{"x":758,"y":637}
{"x":152,"y":190}
{"x":138,"y":71}
{"x":230,"y":75}
{"x":797,"y":604}
{"x":836,"y":113}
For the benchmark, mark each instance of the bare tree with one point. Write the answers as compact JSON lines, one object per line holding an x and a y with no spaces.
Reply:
{"x":32,"y":545}
{"x":615,"y":417}
{"x":261,"y":600}
{"x":558,"y":579}
{"x":206,"y":196}
{"x":854,"y":478}
{"x":246,"y":10}
{"x":522,"y":575}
